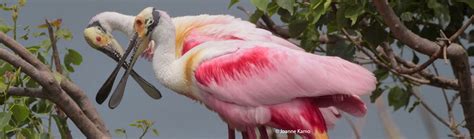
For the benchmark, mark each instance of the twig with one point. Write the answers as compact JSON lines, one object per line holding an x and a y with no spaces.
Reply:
{"x":434,"y":80}
{"x":428,"y":108}
{"x":378,"y":62}
{"x":448,"y":105}
{"x":462,"y":29}
{"x":418,"y":68}
{"x":52,"y":38}
{"x":285,"y":33}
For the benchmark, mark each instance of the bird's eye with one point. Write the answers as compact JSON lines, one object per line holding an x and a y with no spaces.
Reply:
{"x":98,"y":39}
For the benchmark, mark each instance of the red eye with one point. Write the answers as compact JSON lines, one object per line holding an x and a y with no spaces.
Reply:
{"x":98,"y":39}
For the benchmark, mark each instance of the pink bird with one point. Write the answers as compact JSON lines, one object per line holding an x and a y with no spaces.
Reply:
{"x":248,"y":76}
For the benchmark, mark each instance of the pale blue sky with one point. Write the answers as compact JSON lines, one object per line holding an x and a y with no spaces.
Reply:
{"x":176,"y":116}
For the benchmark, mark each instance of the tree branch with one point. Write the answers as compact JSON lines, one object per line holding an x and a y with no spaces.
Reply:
{"x":401,"y":32}
{"x":21,"y":51}
{"x":52,"y":38}
{"x":26,"y":92}
{"x":462,"y":29}
{"x":46,"y":79}
{"x":57,"y":63}
{"x":455,"y":52}
{"x":80,"y":97}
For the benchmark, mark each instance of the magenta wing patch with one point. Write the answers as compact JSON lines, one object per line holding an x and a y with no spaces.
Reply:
{"x":243,"y":63}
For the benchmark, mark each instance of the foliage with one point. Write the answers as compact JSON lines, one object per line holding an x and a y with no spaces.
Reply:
{"x":25,"y":117}
{"x":143,"y":125}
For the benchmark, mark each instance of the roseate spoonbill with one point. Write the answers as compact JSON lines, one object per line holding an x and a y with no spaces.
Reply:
{"x":98,"y":36}
{"x":100,"y":27}
{"x":251,"y":83}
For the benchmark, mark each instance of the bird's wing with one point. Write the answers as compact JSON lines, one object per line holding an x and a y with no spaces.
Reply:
{"x":260,"y":73}
{"x":235,"y":29}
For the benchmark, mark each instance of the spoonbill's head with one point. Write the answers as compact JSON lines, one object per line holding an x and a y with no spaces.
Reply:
{"x":98,"y":38}
{"x":146,"y":21}
{"x":153,"y":25}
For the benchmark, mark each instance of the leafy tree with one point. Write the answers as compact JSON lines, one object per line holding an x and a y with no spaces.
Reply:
{"x":389,"y":35}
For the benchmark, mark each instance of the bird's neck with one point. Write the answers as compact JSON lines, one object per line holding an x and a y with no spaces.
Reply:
{"x":165,"y":65}
{"x":116,"y":21}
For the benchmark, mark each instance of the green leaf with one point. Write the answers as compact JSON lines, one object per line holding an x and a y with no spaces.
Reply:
{"x":260,"y":4}
{"x":376,"y":94}
{"x":287,"y":5}
{"x":45,"y":136}
{"x":5,"y":28}
{"x":29,"y":133}
{"x":398,"y":97}
{"x":381,"y":74}
{"x":22,"y":2}
{"x":20,"y":112}
{"x":272,"y":8}
{"x":297,"y":27}
{"x":120,"y":132}
{"x":375,"y":34}
{"x":61,"y":124}
{"x":285,"y":16}
{"x":320,"y":10}
{"x":42,"y":107}
{"x":255,"y":16}
{"x":155,"y":132}
{"x":4,"y":119}
{"x":232,"y":2}
{"x":342,"y":49}
{"x":72,"y":57}
{"x":353,"y":12}
{"x":468,"y":2}
{"x":407,"y":16}
{"x":64,"y":33}
{"x":470,"y":51}
{"x":441,"y":11}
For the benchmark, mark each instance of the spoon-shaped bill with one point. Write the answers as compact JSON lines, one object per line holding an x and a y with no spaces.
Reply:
{"x":104,"y":91}
{"x":119,"y":91}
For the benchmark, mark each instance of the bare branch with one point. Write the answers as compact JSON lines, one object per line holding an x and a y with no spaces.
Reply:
{"x":455,"y":52}
{"x":428,"y":108}
{"x":21,"y":51}
{"x":418,"y":68}
{"x":52,"y":38}
{"x":27,"y":92}
{"x":401,"y":32}
{"x":380,"y":63}
{"x":80,"y":97}
{"x":462,"y":29}
{"x":54,"y":92}
{"x":285,"y":33}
